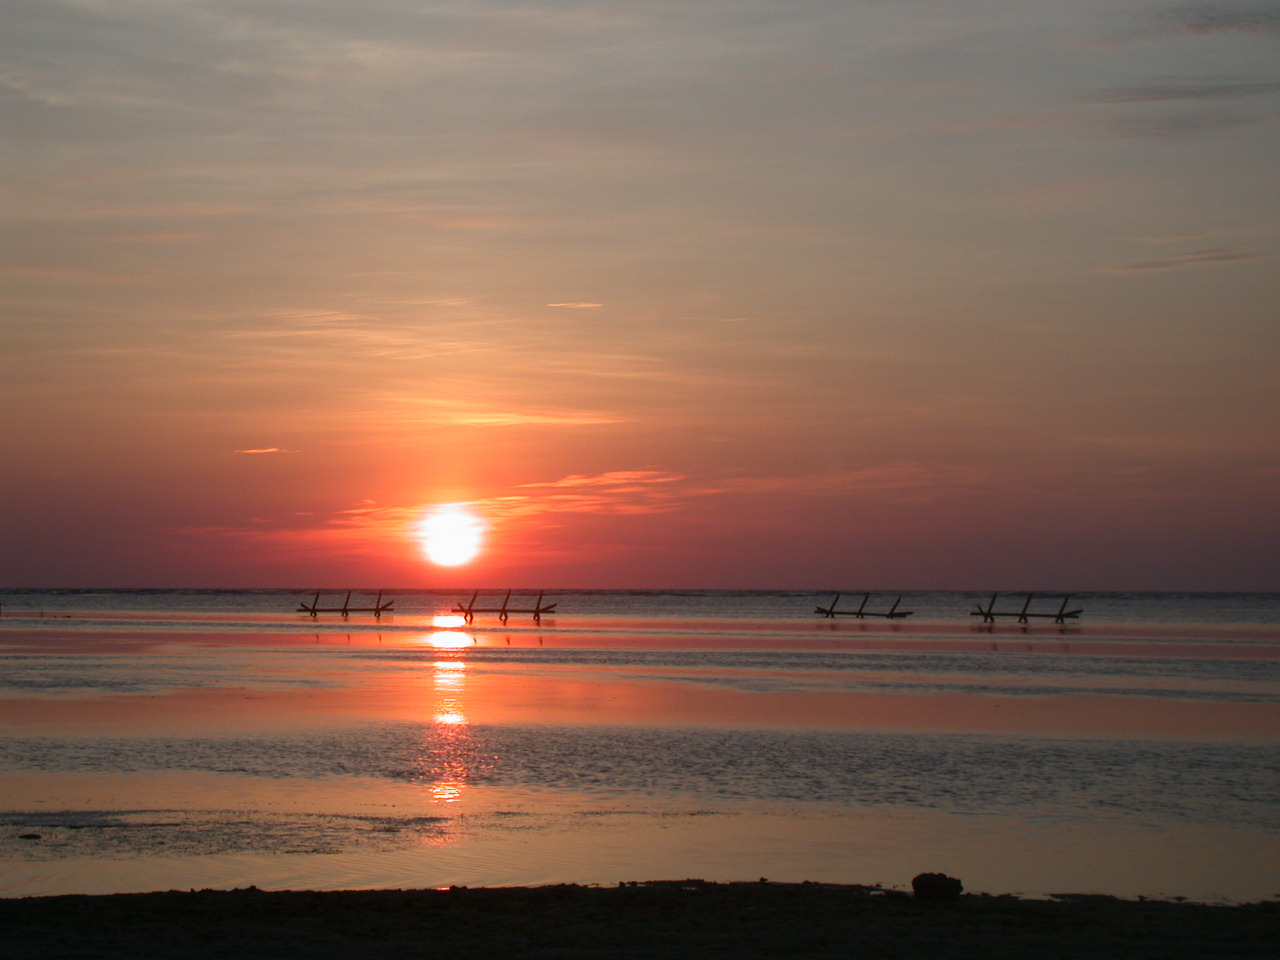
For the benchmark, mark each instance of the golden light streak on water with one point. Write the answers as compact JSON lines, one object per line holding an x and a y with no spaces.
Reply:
{"x":447,"y":752}
{"x":449,"y":639}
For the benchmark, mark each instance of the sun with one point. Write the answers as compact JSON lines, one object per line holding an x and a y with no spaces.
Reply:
{"x":451,"y":535}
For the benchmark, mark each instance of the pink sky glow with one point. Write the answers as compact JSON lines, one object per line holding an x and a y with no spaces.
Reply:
{"x":731,"y":295}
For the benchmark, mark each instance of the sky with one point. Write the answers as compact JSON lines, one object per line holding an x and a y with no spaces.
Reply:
{"x":849,"y":294}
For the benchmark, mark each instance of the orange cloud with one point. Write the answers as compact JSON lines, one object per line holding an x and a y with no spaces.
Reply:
{"x":612,"y":479}
{"x":620,"y":492}
{"x":365,"y":532}
{"x":511,"y":419}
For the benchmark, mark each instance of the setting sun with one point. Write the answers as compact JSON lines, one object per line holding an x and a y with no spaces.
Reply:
{"x":451,"y":535}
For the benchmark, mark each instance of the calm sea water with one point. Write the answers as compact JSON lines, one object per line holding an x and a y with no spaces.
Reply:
{"x":940,"y":606}
{"x":638,"y":733}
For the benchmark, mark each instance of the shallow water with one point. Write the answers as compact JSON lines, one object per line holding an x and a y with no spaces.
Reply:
{"x":966,"y":774}
{"x":1118,"y":608}
{"x":172,"y":747}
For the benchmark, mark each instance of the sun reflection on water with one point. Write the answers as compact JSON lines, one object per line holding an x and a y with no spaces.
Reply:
{"x":448,"y":744}
{"x":447,"y":639}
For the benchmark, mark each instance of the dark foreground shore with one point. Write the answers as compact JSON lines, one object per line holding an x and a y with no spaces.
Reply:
{"x":657,"y":919}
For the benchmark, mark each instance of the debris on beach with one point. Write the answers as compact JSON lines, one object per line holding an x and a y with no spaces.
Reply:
{"x":936,"y":888}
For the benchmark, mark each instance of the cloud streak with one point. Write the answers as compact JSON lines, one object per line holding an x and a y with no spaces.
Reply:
{"x":1262,"y":19}
{"x":1187,"y":91}
{"x":624,"y":480}
{"x":1195,"y":258}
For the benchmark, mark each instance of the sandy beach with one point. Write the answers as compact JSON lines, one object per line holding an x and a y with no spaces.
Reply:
{"x":671,"y":919}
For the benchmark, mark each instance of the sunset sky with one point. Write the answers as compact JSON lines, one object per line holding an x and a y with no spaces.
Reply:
{"x":859,"y":294}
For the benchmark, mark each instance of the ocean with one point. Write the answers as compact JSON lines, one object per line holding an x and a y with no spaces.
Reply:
{"x":157,"y":739}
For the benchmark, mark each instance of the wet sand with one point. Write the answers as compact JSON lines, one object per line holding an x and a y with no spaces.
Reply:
{"x":655,"y":919}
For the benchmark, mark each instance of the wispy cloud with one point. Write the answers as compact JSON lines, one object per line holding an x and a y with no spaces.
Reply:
{"x":1195,"y":258}
{"x":364,"y":530}
{"x":628,"y":479}
{"x":517,"y":419}
{"x":261,"y":450}
{"x":656,"y":491}
{"x":1204,"y":121}
{"x":620,"y":492}
{"x":891,"y":478}
{"x":461,"y":413}
{"x":1223,"y":18}
{"x":577,"y":305}
{"x":1205,"y":85}
{"x":1185,"y":91}
{"x":152,"y":238}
